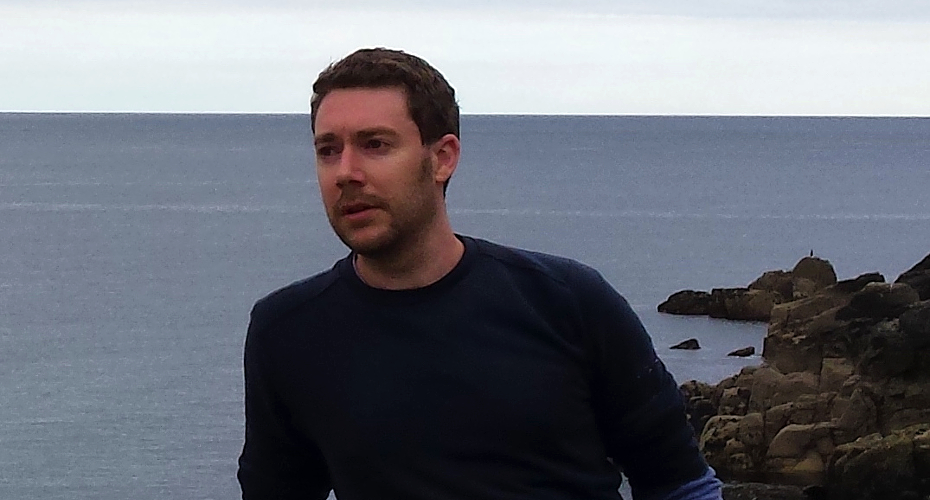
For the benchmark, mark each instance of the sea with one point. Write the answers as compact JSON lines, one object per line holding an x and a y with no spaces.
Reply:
{"x":132,"y":247}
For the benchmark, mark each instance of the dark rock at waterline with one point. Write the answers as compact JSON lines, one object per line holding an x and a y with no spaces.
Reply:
{"x":755,"y":302}
{"x":761,"y":491}
{"x":688,"y":345}
{"x":744,"y":352}
{"x":687,"y":303}
{"x":741,"y":304}
{"x":815,"y":492}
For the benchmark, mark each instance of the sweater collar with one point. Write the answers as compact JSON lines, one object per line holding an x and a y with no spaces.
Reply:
{"x":348,"y":275}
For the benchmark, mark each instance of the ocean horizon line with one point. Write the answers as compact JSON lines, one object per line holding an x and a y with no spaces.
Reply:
{"x":233,"y":208}
{"x":493,"y":114}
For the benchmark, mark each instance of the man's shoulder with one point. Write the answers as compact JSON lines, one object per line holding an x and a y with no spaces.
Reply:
{"x":284,"y":301}
{"x":564,"y":270}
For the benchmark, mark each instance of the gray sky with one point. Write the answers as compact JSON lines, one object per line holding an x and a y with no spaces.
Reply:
{"x":787,"y":57}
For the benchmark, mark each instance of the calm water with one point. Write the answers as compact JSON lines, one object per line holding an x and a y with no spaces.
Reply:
{"x":132,"y":248}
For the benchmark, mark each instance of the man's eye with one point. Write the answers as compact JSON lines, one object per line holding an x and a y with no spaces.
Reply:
{"x":324,"y":151}
{"x":374,"y":144}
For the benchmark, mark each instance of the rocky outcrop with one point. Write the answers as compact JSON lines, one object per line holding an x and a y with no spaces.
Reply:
{"x":687,"y":302}
{"x":743,"y":352}
{"x":895,"y":466}
{"x":918,"y":278}
{"x":816,"y":272}
{"x":756,"y":301}
{"x":688,"y":345}
{"x":803,"y":332}
{"x":842,"y":398}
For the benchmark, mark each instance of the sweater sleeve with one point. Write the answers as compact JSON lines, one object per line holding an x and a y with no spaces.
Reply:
{"x":640,"y":411}
{"x":706,"y":487}
{"x":276,"y":462}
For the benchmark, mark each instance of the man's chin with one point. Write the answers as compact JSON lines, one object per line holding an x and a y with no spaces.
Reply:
{"x":366,"y":245}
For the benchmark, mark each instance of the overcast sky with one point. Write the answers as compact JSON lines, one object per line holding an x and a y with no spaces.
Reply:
{"x":730,"y":57}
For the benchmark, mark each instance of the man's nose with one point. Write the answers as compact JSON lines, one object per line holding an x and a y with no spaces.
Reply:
{"x":350,"y":167}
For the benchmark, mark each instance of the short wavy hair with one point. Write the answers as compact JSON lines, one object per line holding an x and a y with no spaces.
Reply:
{"x":430,"y":99}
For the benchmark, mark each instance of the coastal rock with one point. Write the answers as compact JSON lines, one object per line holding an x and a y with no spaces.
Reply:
{"x":744,"y":352}
{"x":915,"y":325}
{"x":903,"y":403}
{"x":819,"y":271}
{"x":741,"y":304}
{"x":795,"y":440}
{"x":859,"y":416}
{"x":722,"y":448}
{"x":845,"y":380}
{"x":734,"y":401}
{"x":850,"y":286}
{"x":918,"y":277}
{"x":794,"y":386}
{"x":688,"y":303}
{"x":780,"y":282}
{"x":688,"y":345}
{"x":702,"y":403}
{"x":798,"y":453}
{"x":834,"y":372}
{"x":755,"y":302}
{"x":695,"y":388}
{"x":700,"y":411}
{"x":886,"y":351}
{"x":762,"y":491}
{"x":795,"y":344}
{"x":896,"y":466}
{"x":879,"y":300}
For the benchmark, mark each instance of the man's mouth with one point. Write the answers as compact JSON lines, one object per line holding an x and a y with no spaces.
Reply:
{"x":355,"y":208}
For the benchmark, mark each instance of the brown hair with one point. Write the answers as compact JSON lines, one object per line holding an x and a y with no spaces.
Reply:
{"x":430,"y":98}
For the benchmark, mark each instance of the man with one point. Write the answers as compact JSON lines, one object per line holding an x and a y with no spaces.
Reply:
{"x":429,"y":365}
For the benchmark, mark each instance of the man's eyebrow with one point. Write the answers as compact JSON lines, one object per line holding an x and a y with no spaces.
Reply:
{"x":361,"y":135}
{"x":327,"y":137}
{"x":368,"y":133}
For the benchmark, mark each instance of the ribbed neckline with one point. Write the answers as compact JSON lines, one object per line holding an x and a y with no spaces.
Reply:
{"x":348,"y":275}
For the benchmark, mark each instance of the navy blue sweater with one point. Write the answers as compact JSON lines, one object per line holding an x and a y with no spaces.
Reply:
{"x":515,"y":376}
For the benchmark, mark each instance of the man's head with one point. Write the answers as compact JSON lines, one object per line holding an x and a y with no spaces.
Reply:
{"x":430,"y":98}
{"x":385,"y":127}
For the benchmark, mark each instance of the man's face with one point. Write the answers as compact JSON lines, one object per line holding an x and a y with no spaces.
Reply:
{"x":376,"y":178}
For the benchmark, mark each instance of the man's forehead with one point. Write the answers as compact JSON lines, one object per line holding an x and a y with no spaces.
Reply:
{"x":343,"y":111}
{"x":379,"y":100}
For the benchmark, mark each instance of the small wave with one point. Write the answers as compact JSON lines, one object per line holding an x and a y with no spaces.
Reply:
{"x":109,"y":184}
{"x":191,"y":208}
{"x":506,"y":212}
{"x":648,"y":214}
{"x":140,"y":183}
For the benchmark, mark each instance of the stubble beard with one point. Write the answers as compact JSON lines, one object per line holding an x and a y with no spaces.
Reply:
{"x":409,"y":218}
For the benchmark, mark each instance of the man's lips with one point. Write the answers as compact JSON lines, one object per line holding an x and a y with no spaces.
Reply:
{"x":355,"y":208}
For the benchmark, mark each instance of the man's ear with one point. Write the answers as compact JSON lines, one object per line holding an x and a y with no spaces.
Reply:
{"x":446,"y":152}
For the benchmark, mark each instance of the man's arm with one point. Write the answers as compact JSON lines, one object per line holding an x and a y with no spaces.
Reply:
{"x":640,"y":410}
{"x":276,"y":461}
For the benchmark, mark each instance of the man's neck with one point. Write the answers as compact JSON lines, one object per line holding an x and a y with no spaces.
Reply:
{"x":426,"y":263}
